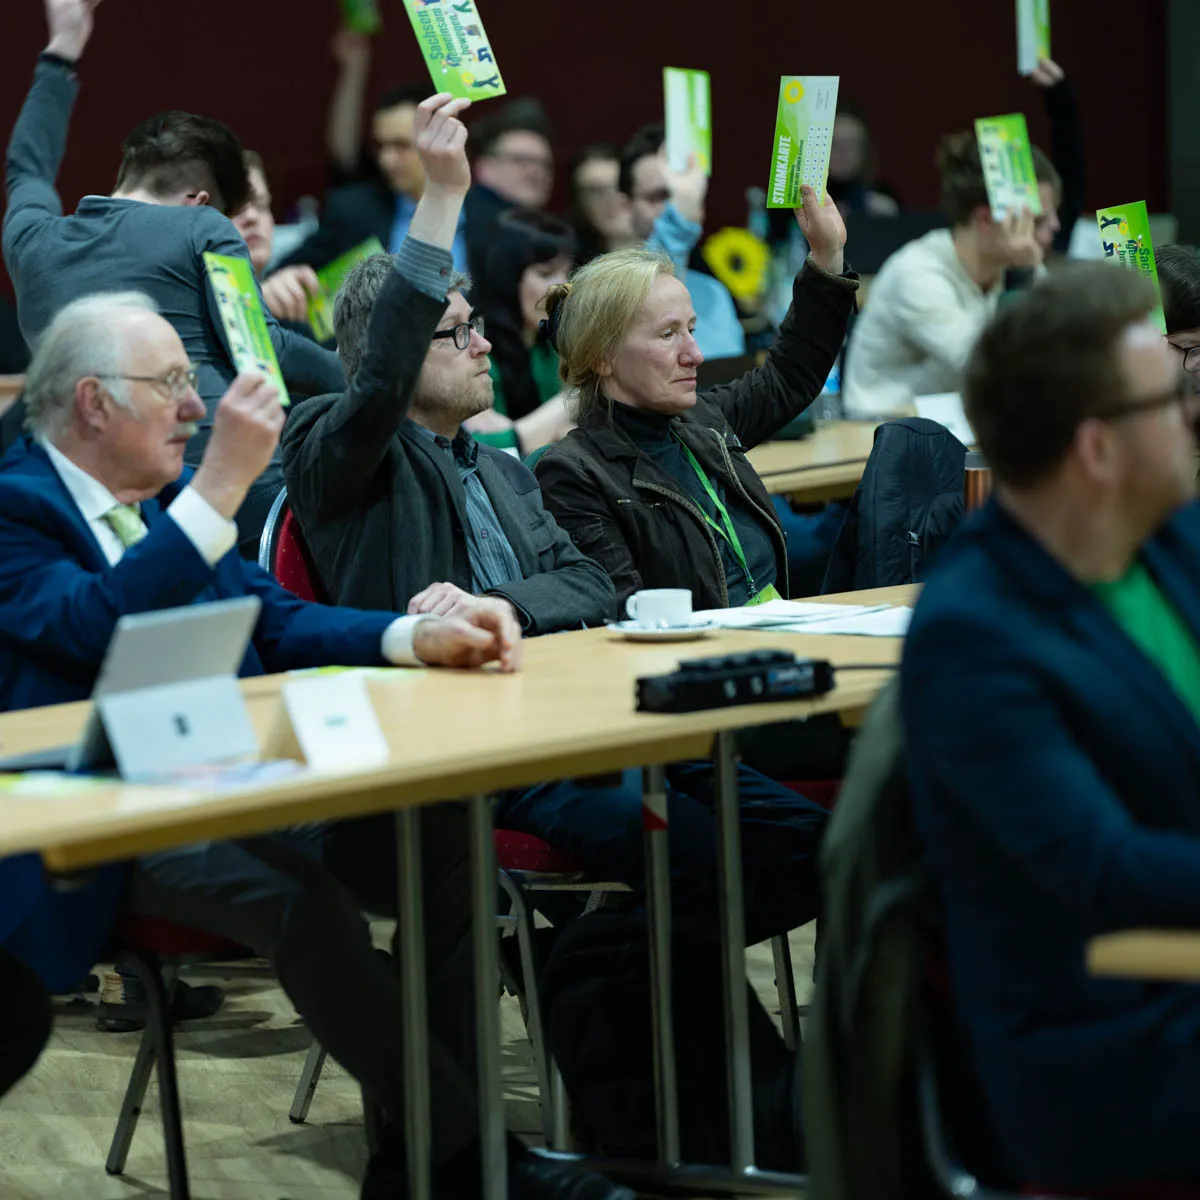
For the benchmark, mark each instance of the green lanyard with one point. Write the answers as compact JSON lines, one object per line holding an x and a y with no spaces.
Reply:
{"x":726,"y":530}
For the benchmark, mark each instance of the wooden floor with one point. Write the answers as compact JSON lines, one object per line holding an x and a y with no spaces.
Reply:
{"x":237,"y":1072}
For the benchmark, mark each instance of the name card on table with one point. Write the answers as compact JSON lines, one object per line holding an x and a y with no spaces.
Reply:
{"x":246,"y":331}
{"x":803,"y":138}
{"x":455,"y":48}
{"x":329,"y":722}
{"x":1126,"y":241}
{"x":1007,"y":160}
{"x":1033,"y":34}
{"x":688,"y":114}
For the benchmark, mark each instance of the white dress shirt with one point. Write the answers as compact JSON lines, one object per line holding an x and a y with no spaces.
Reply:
{"x":212,"y":534}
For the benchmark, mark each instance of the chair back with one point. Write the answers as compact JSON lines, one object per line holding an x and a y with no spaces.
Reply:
{"x":282,"y":552}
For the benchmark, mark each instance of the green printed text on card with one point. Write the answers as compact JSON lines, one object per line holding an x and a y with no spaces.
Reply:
{"x":242,"y":316}
{"x":1007,"y":161}
{"x":455,"y":48}
{"x":331,"y":278}
{"x":1126,"y":241}
{"x":688,"y":114}
{"x":1033,"y":34}
{"x":803,"y":137}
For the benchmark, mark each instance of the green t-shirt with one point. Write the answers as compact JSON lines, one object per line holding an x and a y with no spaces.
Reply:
{"x":1151,"y":621}
{"x":543,"y":363}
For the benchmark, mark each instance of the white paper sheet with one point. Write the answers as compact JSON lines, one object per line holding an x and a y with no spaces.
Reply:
{"x":773,"y":613}
{"x":946,"y":408}
{"x":885,"y":622}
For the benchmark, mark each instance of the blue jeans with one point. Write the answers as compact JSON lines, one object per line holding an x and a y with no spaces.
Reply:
{"x":602,"y":826}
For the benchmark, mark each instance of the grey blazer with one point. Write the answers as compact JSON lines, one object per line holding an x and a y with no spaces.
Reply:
{"x":124,"y":245}
{"x":384,"y":512}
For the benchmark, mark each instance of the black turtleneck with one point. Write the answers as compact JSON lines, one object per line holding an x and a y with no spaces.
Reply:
{"x":651,"y":432}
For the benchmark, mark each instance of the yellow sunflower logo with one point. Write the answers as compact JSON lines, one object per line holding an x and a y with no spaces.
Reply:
{"x":739,"y":260}
{"x":794,"y":92}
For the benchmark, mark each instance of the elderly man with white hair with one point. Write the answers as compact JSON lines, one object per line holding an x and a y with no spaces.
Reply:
{"x":98,"y":518}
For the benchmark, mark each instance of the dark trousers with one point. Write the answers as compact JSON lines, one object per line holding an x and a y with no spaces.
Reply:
{"x":26,"y":1026}
{"x":297,"y":898}
{"x":603,"y":827}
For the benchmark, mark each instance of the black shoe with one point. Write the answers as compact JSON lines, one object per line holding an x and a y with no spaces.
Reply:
{"x":533,"y":1178}
{"x":189,"y":1004}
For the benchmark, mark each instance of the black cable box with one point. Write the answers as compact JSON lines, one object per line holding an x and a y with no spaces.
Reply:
{"x":754,"y":678}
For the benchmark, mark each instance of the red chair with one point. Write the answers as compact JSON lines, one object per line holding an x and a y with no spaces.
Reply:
{"x":282,"y":552}
{"x":156,"y":949}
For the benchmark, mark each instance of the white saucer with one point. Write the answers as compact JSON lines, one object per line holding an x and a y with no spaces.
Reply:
{"x":690,"y":632}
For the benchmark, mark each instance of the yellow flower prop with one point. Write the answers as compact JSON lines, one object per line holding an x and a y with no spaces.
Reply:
{"x":739,"y":260}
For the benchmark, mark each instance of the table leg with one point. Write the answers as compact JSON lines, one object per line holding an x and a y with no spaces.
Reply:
{"x":733,"y":944}
{"x":493,"y":1149}
{"x":658,"y":914}
{"x":415,"y":1026}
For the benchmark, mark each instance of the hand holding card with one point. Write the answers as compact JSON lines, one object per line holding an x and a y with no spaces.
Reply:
{"x":823,"y":229}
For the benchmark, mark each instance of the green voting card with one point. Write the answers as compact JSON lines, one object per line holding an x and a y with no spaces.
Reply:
{"x":242,"y":315}
{"x":331,"y":278}
{"x":1125,"y":236}
{"x":803,"y":137}
{"x":362,"y":16}
{"x":1007,"y":161}
{"x":455,"y":48}
{"x":1033,"y":34}
{"x":688,"y":118}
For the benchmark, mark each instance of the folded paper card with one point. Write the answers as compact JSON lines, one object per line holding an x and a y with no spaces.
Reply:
{"x":1033,"y":34}
{"x":688,"y":118}
{"x":241,"y":310}
{"x":331,"y":278}
{"x":1125,"y":239}
{"x":455,"y":48}
{"x":803,"y":138}
{"x":1007,"y":160}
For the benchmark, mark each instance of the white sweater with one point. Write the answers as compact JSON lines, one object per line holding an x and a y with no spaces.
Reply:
{"x":922,"y":316}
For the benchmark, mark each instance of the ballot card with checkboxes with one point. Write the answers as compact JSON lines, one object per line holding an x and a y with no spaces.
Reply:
{"x":803,"y":138}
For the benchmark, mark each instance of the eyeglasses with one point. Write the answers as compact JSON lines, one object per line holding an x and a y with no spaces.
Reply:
{"x":1191,"y":357}
{"x":1182,"y":392}
{"x":462,"y":333}
{"x":175,"y":385}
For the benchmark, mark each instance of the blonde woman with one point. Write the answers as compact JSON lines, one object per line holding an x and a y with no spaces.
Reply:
{"x":654,"y":484}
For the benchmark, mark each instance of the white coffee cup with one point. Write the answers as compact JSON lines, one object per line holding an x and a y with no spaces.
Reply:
{"x":660,"y":608}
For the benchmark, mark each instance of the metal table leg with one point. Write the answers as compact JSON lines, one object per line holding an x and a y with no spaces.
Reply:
{"x":658,"y":914}
{"x":415,"y":1022}
{"x":487,"y":1001}
{"x":733,"y":928}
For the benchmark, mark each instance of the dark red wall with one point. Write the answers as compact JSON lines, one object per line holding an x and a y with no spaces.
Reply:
{"x":918,"y":69}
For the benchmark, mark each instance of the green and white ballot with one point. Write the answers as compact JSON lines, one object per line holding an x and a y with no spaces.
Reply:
{"x":688,"y":118}
{"x":1007,"y":160}
{"x":361,"y":16}
{"x":331,"y":278}
{"x":803,"y":138}
{"x":242,"y":315}
{"x":1125,"y":238}
{"x":1033,"y":34}
{"x":455,"y":48}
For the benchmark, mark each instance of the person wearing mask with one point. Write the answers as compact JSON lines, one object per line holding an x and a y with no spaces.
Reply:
{"x":599,"y":209}
{"x":667,"y":209}
{"x":530,"y":252}
{"x":932,"y":297}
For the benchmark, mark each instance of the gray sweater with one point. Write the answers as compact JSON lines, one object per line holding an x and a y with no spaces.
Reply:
{"x":124,"y":245}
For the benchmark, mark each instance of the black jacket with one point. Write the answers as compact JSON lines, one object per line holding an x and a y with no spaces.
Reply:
{"x":384,"y":511}
{"x":909,"y":502}
{"x":623,"y":511}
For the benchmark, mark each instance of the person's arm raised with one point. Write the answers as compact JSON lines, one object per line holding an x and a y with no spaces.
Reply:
{"x":442,"y":145}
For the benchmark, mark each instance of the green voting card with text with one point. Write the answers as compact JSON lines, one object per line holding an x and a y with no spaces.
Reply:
{"x":803,"y":137}
{"x":242,"y":315}
{"x":688,"y":118}
{"x":362,"y":16}
{"x":1033,"y":34}
{"x":1007,"y":161}
{"x":1125,"y":238}
{"x":456,"y":49}
{"x":331,"y":278}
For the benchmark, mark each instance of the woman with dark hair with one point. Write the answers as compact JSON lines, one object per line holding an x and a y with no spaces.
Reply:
{"x":1179,"y":279}
{"x":528,"y":253}
{"x":599,"y":209}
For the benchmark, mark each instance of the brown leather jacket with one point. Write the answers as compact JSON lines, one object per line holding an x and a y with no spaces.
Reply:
{"x":624,"y":512}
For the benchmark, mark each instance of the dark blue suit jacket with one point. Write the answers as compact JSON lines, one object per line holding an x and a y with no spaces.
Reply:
{"x":59,"y":604}
{"x":1056,"y":776}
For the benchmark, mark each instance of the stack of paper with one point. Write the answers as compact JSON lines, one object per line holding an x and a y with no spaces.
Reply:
{"x":794,"y":616}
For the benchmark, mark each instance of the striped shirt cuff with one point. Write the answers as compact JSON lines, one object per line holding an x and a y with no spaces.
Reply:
{"x":426,"y":267}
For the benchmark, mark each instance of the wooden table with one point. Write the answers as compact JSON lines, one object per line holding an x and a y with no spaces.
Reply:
{"x":825,"y":466}
{"x":569,"y":712}
{"x":1161,"y":954}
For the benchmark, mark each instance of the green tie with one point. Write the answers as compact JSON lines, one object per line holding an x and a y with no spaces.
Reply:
{"x":126,"y":522}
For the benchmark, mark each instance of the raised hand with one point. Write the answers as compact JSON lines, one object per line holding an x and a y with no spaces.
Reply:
{"x":824,"y":230}
{"x":71,"y":23}
{"x":688,"y":187}
{"x":1047,"y":73}
{"x":350,"y":49}
{"x":442,"y":142}
{"x":1016,"y":240}
{"x":287,"y":291}
{"x":245,"y":432}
